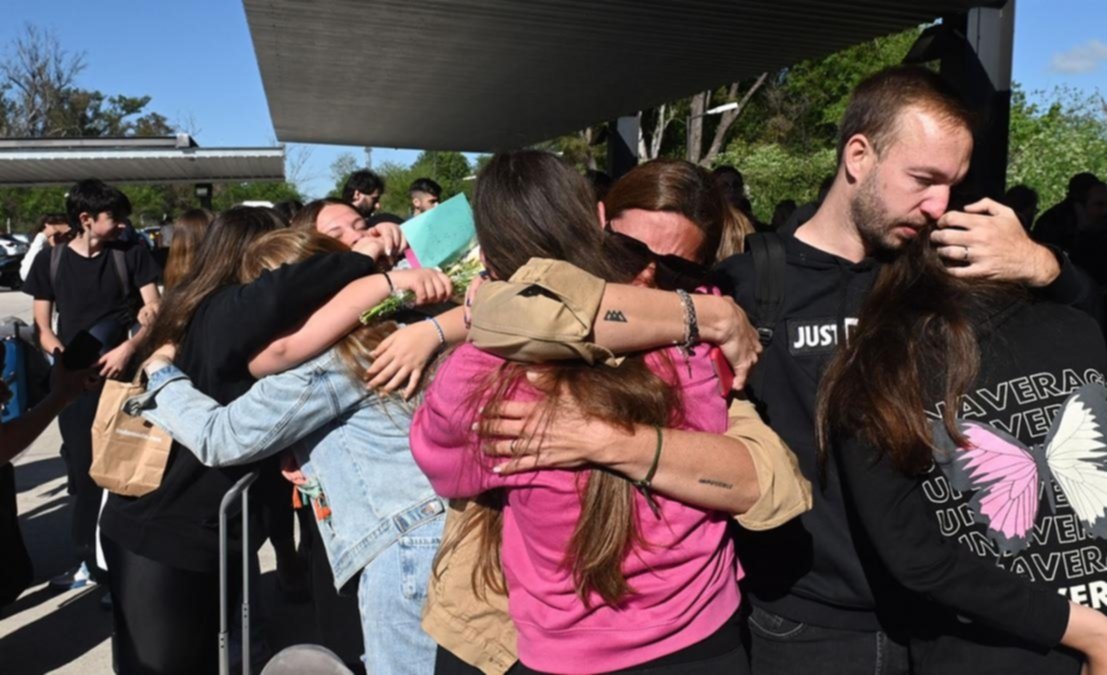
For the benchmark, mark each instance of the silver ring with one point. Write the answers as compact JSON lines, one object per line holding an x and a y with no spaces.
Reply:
{"x":514,"y":447}
{"x":966,"y":258}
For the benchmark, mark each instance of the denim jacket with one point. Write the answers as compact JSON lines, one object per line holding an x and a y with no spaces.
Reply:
{"x":354,"y":443}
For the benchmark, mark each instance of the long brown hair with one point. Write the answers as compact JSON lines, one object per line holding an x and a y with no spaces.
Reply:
{"x":224,"y":246}
{"x":531,"y":204}
{"x":287,"y":246}
{"x":917,"y":338}
{"x":188,"y":231}
{"x":676,"y":186}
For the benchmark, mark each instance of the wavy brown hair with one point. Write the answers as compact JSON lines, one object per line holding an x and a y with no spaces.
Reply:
{"x":188,"y":231}
{"x":531,"y":204}
{"x":917,"y":339}
{"x":222,"y":249}
{"x":287,"y":246}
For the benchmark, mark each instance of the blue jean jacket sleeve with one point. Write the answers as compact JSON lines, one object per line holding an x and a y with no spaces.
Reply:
{"x":277,"y":411}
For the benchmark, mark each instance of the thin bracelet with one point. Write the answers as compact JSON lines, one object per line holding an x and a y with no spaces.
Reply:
{"x":691,"y":324}
{"x":441,"y":333}
{"x":391,"y":288}
{"x":645,"y":485}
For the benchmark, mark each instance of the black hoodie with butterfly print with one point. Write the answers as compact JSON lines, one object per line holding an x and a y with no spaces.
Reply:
{"x":980,"y":577}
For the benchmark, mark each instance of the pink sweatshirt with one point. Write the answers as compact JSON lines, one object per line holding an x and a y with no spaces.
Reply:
{"x":684,"y":583}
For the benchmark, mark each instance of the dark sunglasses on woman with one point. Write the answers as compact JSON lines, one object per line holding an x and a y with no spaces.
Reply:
{"x":670,"y":271}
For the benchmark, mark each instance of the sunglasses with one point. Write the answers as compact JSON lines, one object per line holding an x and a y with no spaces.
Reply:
{"x":670,"y":271}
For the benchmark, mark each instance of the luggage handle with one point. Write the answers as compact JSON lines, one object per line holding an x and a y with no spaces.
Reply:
{"x":240,"y":490}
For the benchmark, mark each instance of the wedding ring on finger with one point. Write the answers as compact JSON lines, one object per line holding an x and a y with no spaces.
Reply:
{"x":965,"y":257}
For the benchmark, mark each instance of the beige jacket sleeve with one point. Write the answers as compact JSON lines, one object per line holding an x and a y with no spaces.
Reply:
{"x":544,"y":312}
{"x":785,"y":493}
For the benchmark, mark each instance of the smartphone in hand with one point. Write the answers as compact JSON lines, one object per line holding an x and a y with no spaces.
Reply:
{"x":81,"y":352}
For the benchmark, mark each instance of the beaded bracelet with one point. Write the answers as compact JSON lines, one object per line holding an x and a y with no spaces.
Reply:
{"x":691,"y":324}
{"x":441,"y":333}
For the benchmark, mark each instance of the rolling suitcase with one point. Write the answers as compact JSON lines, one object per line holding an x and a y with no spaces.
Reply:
{"x":240,"y":491}
{"x":15,"y":377}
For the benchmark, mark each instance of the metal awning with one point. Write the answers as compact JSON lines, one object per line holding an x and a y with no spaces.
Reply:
{"x":64,"y":161}
{"x":482,"y":75}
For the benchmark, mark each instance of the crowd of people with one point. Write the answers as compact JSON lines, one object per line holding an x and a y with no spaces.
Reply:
{"x":653,"y":436}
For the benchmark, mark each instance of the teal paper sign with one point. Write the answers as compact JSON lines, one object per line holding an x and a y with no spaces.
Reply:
{"x":442,"y":235}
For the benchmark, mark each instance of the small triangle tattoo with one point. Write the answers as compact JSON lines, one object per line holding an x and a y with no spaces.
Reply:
{"x":615,"y":316}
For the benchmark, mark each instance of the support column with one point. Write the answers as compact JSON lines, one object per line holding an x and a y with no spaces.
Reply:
{"x":203,"y":193}
{"x":975,"y":51}
{"x":991,"y":36}
{"x":622,"y":145}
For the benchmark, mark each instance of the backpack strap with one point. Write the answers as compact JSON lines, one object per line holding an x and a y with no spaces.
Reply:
{"x":55,"y":262}
{"x":119,"y":261}
{"x":767,"y":250}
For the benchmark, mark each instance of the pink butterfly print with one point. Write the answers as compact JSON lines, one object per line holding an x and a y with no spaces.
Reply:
{"x":1005,"y":476}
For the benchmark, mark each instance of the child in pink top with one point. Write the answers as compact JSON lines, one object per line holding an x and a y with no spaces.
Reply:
{"x":683,"y":580}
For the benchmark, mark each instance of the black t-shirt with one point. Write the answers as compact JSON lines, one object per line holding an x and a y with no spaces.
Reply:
{"x":178,"y":524}
{"x":88,"y":290}
{"x":958,"y":536}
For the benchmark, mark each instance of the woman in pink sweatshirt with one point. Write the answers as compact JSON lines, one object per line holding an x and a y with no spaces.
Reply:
{"x":601,"y":576}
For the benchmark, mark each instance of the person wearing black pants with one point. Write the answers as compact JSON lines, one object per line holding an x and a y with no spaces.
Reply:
{"x":171,"y":535}
{"x":74,"y":423}
{"x":96,"y":282}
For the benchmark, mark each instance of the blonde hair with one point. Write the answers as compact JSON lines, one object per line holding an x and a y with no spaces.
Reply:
{"x":285,"y":246}
{"x":736,"y":227}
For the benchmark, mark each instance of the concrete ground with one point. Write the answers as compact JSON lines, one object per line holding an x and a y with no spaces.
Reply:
{"x":45,"y":632}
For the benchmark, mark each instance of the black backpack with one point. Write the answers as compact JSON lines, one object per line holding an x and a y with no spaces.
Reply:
{"x":769,"y":268}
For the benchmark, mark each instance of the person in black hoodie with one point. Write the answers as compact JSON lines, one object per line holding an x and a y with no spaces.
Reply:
{"x":972,"y":453}
{"x":905,"y":142}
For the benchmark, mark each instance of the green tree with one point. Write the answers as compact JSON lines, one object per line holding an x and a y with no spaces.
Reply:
{"x":226,"y":195}
{"x":1060,"y":134}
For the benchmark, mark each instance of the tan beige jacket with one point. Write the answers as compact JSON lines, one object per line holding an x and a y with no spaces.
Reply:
{"x":545,"y":313}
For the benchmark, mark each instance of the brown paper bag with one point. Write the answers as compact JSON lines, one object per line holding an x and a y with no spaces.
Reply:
{"x":129,"y":454}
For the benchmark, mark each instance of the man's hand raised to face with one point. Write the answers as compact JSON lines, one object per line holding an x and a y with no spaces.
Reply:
{"x":987,"y":241}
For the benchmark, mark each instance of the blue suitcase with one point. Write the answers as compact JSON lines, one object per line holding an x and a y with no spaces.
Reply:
{"x":15,"y":377}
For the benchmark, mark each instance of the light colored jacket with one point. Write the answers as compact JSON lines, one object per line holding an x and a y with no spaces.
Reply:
{"x":354,"y":443}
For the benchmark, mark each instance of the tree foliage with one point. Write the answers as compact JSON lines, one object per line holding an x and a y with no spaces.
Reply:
{"x":451,"y":170}
{"x":40,"y":98}
{"x":1053,"y":137}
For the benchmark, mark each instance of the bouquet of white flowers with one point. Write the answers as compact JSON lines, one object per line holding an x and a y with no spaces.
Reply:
{"x":461,"y":274}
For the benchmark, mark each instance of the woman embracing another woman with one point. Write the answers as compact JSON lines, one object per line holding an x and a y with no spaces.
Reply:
{"x":602,"y":573}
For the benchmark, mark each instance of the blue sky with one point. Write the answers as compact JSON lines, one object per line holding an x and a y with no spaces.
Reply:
{"x":196,"y":60}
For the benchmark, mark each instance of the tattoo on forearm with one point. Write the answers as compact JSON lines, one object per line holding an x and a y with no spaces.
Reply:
{"x":615,"y":316}
{"x":716,"y":483}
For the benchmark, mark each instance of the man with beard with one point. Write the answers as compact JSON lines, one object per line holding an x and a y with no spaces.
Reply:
{"x":905,"y":142}
{"x":363,"y":191}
